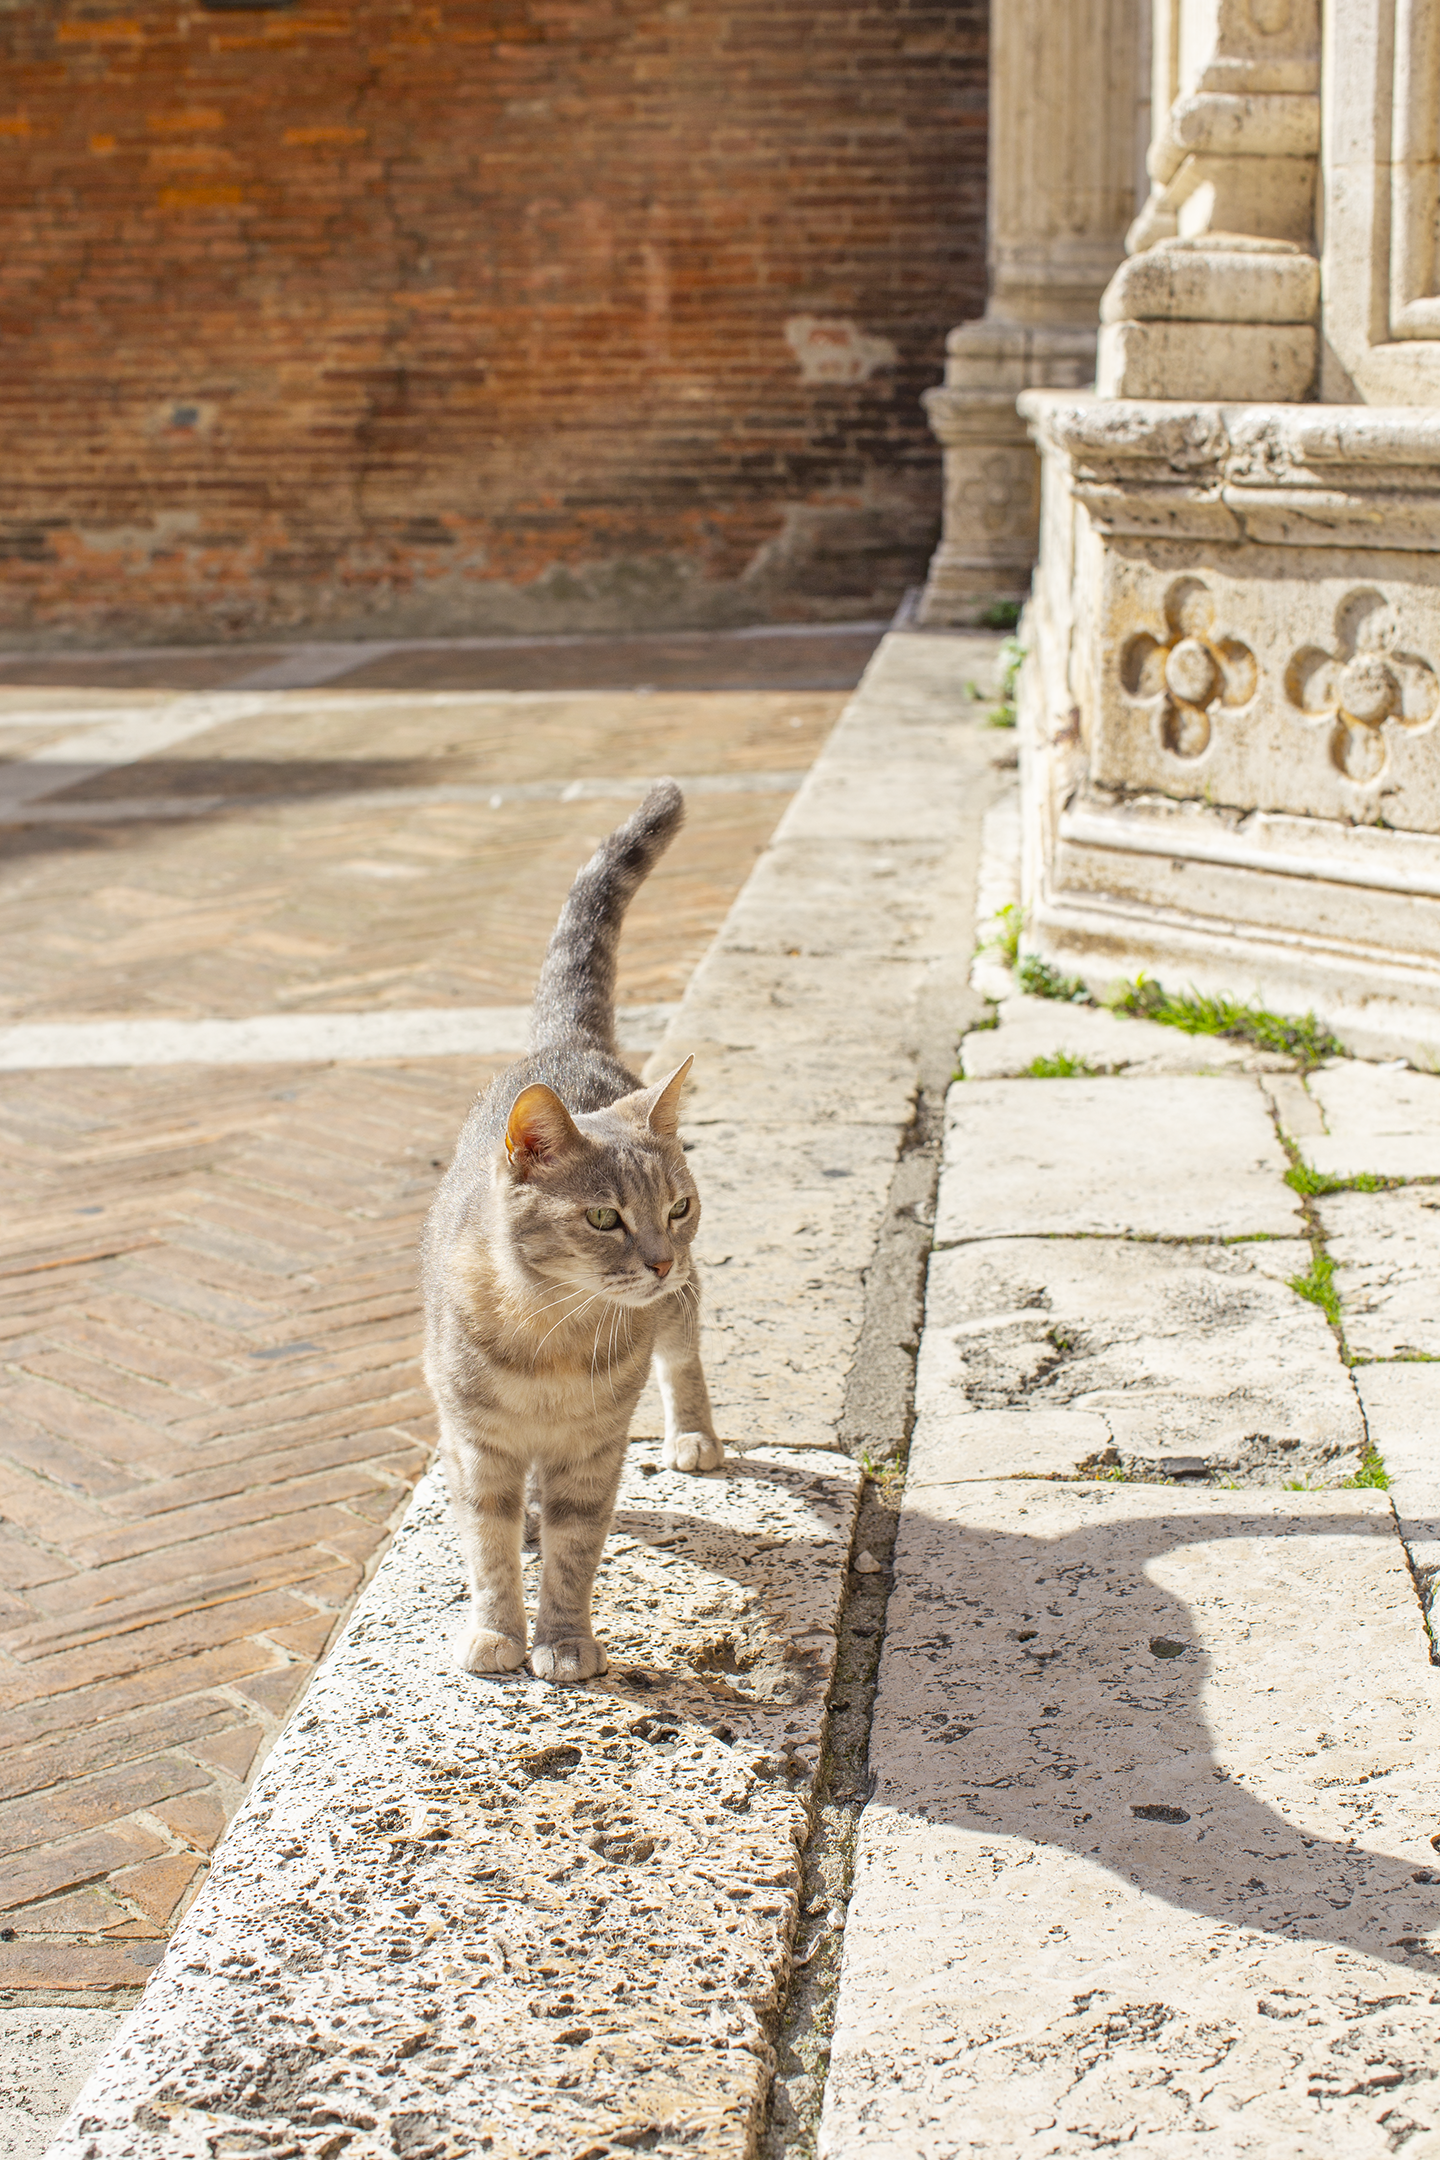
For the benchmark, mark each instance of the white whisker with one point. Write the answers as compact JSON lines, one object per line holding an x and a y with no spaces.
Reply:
{"x":560,"y":1323}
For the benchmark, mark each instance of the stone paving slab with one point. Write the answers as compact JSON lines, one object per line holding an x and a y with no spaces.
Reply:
{"x":1386,"y":1249}
{"x":1101,"y":1351}
{"x":1149,"y":1863}
{"x":1172,"y":1157}
{"x":1031,"y":1027}
{"x":1380,"y":1119}
{"x":45,"y":2057}
{"x":997,"y":890}
{"x":457,"y":1909}
{"x":480,"y":1031}
{"x":1402,"y":1411}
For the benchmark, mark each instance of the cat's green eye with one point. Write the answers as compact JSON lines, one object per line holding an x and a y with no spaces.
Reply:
{"x":602,"y":1218}
{"x":681,"y":1207}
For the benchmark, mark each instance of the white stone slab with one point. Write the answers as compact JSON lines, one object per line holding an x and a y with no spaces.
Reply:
{"x":1402,"y":1410}
{"x":1247,"y":1968}
{"x":46,"y":2054}
{"x":298,"y":1038}
{"x":1039,"y":1355}
{"x":1386,"y":1249}
{"x":136,"y":731}
{"x":997,"y":889}
{"x":955,"y":1445}
{"x":422,"y":1915}
{"x":135,"y":809}
{"x":1384,"y":1119}
{"x":1152,"y":1158}
{"x":1107,"y":1042}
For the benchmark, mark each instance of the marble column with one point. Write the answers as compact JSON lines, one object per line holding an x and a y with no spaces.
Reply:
{"x":1066,"y":93}
{"x":1220,"y":295}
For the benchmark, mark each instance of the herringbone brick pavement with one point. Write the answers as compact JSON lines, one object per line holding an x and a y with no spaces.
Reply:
{"x":210,"y":1404}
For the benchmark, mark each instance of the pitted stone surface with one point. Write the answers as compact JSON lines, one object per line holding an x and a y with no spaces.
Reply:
{"x":1051,"y":1356}
{"x":1386,"y":1249}
{"x":1381,"y":1119}
{"x":1032,"y":1027}
{"x":1402,"y":1410}
{"x":1150,"y":1860}
{"x":1166,"y":1158}
{"x":460,"y":1914}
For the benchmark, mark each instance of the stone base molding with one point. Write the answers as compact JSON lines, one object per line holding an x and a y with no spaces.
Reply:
{"x":992,"y":476}
{"x":1065,"y":96}
{"x":1231,"y":706}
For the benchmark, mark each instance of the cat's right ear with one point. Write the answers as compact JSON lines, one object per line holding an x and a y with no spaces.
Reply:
{"x":538,"y":1131}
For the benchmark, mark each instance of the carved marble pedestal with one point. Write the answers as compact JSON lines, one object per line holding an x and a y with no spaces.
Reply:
{"x":1065,"y":79}
{"x":1231,"y":709}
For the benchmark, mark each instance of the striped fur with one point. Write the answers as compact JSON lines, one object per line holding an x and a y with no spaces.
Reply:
{"x":540,"y":1325}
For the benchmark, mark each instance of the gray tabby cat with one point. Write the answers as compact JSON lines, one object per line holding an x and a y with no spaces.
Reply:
{"x":557,"y":1269}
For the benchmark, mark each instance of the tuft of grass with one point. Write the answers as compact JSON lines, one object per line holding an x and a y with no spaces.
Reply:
{"x":1319,"y":1287}
{"x":1315,"y":1183}
{"x":1040,"y":979}
{"x":1001,"y":615}
{"x":1012,"y":659}
{"x":1372,"y":1475}
{"x":1009,"y":922}
{"x":1303,"y":1037}
{"x":1064,"y":1065}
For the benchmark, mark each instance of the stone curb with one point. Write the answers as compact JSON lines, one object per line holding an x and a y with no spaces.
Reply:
{"x":462,"y":1915}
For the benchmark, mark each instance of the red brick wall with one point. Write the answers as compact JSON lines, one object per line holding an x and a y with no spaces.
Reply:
{"x":435,"y":316}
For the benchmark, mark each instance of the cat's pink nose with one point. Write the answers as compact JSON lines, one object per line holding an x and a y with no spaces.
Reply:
{"x":660,"y":1267}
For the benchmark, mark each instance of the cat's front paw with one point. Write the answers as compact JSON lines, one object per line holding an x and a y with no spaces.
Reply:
{"x":482,"y":1650}
{"x":693,"y":1451}
{"x":581,"y":1658}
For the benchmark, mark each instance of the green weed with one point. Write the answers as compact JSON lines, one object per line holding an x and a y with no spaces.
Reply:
{"x":1009,"y":923}
{"x":1040,"y":979}
{"x":1002,"y":615}
{"x":1370,"y":1477}
{"x":1314,"y":1183}
{"x":1319,"y":1287}
{"x":1064,"y":1065}
{"x":1012,"y":659}
{"x":1305,"y":1037}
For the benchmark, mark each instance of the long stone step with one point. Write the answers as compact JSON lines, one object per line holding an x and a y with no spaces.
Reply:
{"x":1152,"y":1860}
{"x":460,"y":1915}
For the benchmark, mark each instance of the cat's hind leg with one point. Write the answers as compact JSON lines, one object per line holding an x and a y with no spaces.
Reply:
{"x":577,"y":1500}
{"x":487,"y":1500}
{"x":691,"y":1442}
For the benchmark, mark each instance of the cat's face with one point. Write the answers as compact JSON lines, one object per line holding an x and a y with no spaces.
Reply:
{"x":603,"y":1203}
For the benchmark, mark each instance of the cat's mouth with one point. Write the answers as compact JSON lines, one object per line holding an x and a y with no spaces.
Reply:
{"x":642,"y":1294}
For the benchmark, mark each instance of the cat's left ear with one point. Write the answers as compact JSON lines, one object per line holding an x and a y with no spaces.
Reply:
{"x":661,"y":1104}
{"x":539,"y":1130}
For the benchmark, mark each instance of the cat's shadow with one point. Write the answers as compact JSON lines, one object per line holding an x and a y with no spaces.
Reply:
{"x":1234,"y":1859}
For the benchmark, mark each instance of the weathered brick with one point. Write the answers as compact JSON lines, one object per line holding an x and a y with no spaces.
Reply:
{"x":71,"y":1968}
{"x":104,"y":1799}
{"x":52,"y":1869}
{"x":283,"y":368}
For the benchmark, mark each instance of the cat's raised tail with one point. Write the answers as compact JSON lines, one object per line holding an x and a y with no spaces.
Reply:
{"x":575,"y":996}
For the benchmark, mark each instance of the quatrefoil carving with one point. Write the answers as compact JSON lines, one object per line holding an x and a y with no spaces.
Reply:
{"x":1189,"y":673}
{"x":1362,"y":684}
